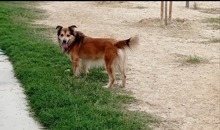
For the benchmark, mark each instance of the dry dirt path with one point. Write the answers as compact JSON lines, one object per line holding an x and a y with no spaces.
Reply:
{"x":185,"y":96}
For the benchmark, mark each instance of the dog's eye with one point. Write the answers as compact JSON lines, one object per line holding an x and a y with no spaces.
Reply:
{"x":68,"y":35}
{"x":61,"y":35}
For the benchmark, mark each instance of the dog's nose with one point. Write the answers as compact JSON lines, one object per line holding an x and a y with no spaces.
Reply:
{"x":64,"y":41}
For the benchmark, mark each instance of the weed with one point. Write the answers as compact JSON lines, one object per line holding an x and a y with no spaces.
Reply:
{"x":214,"y":23}
{"x":193,"y":59}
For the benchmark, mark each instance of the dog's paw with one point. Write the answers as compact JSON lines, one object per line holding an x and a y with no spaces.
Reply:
{"x":107,"y":86}
{"x":85,"y":71}
{"x":76,"y":75}
{"x":122,"y":86}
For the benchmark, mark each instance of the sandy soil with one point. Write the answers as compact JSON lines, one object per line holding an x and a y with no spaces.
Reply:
{"x":184,"y":96}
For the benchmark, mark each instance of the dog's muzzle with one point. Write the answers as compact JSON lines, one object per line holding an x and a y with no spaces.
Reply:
{"x":65,"y":45}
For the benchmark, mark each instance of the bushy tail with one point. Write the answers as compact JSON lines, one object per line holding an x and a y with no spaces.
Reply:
{"x":130,"y":43}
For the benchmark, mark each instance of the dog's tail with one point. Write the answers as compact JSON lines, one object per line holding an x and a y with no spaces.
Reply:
{"x":130,"y":43}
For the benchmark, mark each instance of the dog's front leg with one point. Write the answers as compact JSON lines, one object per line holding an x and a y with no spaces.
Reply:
{"x":75,"y":64}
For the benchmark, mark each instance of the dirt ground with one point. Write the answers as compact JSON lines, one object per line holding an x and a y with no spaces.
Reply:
{"x":185,"y":96}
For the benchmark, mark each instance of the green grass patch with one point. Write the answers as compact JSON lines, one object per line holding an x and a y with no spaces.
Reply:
{"x":193,"y":59}
{"x":214,"y":20}
{"x":214,"y":23}
{"x":60,"y":101}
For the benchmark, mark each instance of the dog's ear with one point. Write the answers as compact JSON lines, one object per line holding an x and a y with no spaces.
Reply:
{"x":72,"y":27}
{"x":58,"y":28}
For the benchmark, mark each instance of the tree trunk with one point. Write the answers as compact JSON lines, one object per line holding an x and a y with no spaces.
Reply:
{"x":170,"y":10}
{"x":165,"y":12}
{"x":187,"y":4}
{"x":161,"y":9}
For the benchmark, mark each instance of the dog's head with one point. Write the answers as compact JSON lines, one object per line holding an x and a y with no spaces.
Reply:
{"x":66,"y":36}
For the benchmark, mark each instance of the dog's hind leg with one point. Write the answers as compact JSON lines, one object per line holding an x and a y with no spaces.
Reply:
{"x":122,"y":66}
{"x":84,"y":67}
{"x":109,"y":58}
{"x":110,"y":75}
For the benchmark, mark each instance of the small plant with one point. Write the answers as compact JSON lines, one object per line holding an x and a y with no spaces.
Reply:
{"x":215,"y":23}
{"x":140,"y":7}
{"x":193,"y":59}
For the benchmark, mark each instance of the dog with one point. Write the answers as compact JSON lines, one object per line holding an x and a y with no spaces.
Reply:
{"x":86,"y":52}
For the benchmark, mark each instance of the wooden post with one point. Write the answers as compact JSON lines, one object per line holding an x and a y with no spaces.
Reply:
{"x":187,"y":4}
{"x":161,"y":9}
{"x":170,"y":10}
{"x":165,"y":12}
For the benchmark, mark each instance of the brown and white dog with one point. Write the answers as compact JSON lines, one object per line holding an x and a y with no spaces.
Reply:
{"x":86,"y":52}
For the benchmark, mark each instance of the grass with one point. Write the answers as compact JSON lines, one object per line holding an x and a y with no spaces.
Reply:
{"x":59,"y":101}
{"x":215,"y":22}
{"x":193,"y":59}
